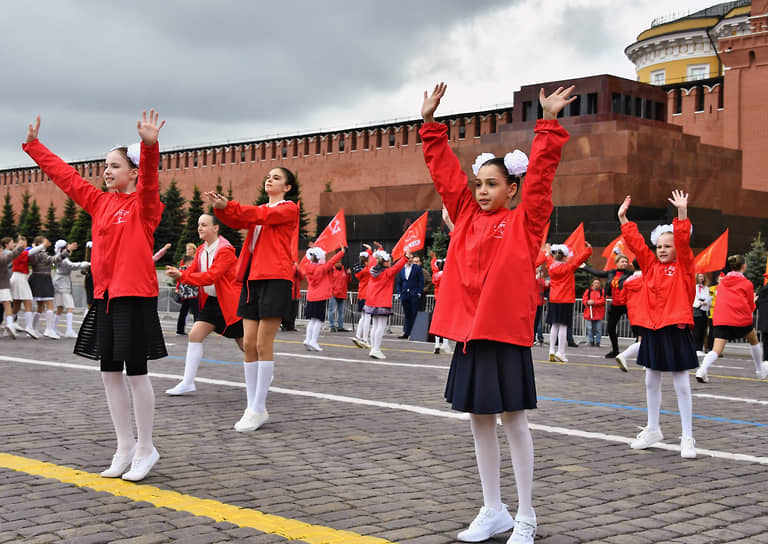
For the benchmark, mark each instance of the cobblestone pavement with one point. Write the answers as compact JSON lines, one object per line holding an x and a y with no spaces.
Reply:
{"x":369,"y":447}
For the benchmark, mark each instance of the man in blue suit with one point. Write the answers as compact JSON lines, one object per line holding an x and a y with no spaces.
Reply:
{"x":410,"y":285}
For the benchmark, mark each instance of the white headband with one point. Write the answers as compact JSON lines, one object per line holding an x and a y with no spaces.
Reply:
{"x":661,"y":229}
{"x":515,"y":162}
{"x":381,"y":254}
{"x":318,"y":253}
{"x":561,"y":247}
{"x":363,"y":253}
{"x":133,"y":152}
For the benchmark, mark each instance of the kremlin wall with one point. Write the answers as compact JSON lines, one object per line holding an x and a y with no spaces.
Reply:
{"x":703,"y":128}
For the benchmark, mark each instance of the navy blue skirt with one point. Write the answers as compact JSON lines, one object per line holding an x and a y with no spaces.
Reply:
{"x":560,"y":312}
{"x":315,"y":309}
{"x":670,"y":349}
{"x":491,"y":378}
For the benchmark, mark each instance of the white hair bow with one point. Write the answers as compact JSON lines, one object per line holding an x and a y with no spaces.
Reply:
{"x":561,"y":247}
{"x":134,"y":153}
{"x":59,"y":245}
{"x":516,"y":162}
{"x":363,"y":253}
{"x":89,"y":244}
{"x":318,"y":253}
{"x":661,"y":229}
{"x":381,"y":254}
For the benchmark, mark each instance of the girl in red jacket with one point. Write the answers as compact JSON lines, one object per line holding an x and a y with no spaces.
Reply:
{"x":266,"y":269}
{"x":122,"y":329}
{"x":492,"y":369}
{"x":632,"y":294}
{"x":319,"y":276}
{"x":362,"y":272}
{"x":594,"y":312}
{"x":212,"y":271}
{"x":667,"y":341}
{"x":562,"y":295}
{"x":733,"y":318}
{"x":378,"y":303}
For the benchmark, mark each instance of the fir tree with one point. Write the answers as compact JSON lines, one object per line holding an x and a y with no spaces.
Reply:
{"x":189,"y":234}
{"x":25,"y":197}
{"x":7,"y":224}
{"x":33,"y":223}
{"x":756,"y":262}
{"x":80,"y":233}
{"x":52,"y":228}
{"x":172,"y":222}
{"x":68,"y":217}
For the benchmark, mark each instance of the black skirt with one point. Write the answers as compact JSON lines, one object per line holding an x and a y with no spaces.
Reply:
{"x":728,"y":332}
{"x":129,"y":331}
{"x":315,"y":309}
{"x":491,"y":378}
{"x":670,"y":349}
{"x":560,"y":312}
{"x":41,"y":285}
{"x":211,"y":313}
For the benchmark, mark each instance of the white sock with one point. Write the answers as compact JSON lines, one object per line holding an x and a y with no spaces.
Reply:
{"x":318,"y":326}
{"x":266,"y":371}
{"x":487,"y":457}
{"x":144,"y":412}
{"x":29,"y":319}
{"x":631,"y":351}
{"x":757,"y":356}
{"x":192,"y":362}
{"x":437,"y":342}
{"x":653,"y":397}
{"x":521,"y":449}
{"x":70,"y":315}
{"x":55,"y":321}
{"x":562,"y":335}
{"x":359,"y":328}
{"x":446,"y":343}
{"x":9,"y":321}
{"x":119,"y":402}
{"x":377,"y":331}
{"x":310,"y":326}
{"x":684,"y":401}
{"x":709,"y":358}
{"x":36,"y":320}
{"x":553,"y":337}
{"x":49,"y":320}
{"x":367,"y":319}
{"x":251,"y":380}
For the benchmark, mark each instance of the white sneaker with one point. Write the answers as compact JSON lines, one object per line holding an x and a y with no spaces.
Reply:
{"x":763,"y":372}
{"x":141,"y":467}
{"x":33,"y":333}
{"x":377,"y":354}
{"x":622,"y":363}
{"x":307,"y":345}
{"x":687,"y":447}
{"x":53,"y":335}
{"x":180,"y":389}
{"x":700,"y":354}
{"x":525,"y":530}
{"x":251,"y":421}
{"x":701,"y":375}
{"x":11,"y":330}
{"x":120,"y":464}
{"x":646,"y":438}
{"x":445,"y":350}
{"x":560,"y":357}
{"x":486,"y":524}
{"x":315,"y":347}
{"x":69,"y":333}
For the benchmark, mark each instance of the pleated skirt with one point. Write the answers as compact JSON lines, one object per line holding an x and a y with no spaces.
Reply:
{"x":669,"y":349}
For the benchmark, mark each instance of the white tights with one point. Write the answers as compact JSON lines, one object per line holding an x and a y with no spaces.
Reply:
{"x":682,"y":386}
{"x":515,"y":425}
{"x":557,"y":335}
{"x":119,"y":402}
{"x":313,"y":331}
{"x":378,"y":326}
{"x":364,"y":327}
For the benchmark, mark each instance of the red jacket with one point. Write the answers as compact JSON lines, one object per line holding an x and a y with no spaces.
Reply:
{"x":562,"y":282}
{"x":339,"y":282}
{"x":220,"y":274}
{"x":488,"y":285}
{"x":21,"y":263}
{"x":541,"y":288}
{"x":596,"y":312}
{"x":380,"y":287}
{"x":320,"y":278}
{"x":123,"y":224}
{"x":273,"y":228}
{"x":363,"y":277}
{"x":618,"y":297}
{"x":668,"y":288}
{"x":735,"y":301}
{"x":637,"y":308}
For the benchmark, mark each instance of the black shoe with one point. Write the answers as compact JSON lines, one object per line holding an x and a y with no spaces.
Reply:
{"x":437,"y":350}
{"x":611,"y":354}
{"x":403,"y":336}
{"x":591,"y":344}
{"x":181,"y":333}
{"x":344,"y":330}
{"x":573,"y":345}
{"x":333,"y":329}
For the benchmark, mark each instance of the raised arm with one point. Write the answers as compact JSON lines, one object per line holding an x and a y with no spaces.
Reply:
{"x":632,"y":236}
{"x":148,"y":184}
{"x":242,"y":216}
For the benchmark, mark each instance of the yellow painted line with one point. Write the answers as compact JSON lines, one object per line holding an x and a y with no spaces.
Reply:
{"x":352,"y":346}
{"x":569,"y":363}
{"x":290,"y":529}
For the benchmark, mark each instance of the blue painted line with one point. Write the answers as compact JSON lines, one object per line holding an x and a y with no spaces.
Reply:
{"x":639,"y":409}
{"x":207,"y":360}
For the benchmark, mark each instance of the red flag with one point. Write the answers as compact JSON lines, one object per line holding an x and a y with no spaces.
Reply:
{"x":576,"y":240}
{"x":713,"y":258}
{"x":334,"y":235}
{"x":413,"y":239}
{"x":616,"y":247}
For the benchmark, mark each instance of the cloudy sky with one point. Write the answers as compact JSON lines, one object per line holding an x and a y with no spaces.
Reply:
{"x":237,"y":70}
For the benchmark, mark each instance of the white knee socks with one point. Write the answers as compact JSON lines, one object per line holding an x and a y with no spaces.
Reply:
{"x":251,"y":369}
{"x":757,"y":356}
{"x":684,"y":401}
{"x":553,"y":337}
{"x":266,"y":372}
{"x":488,"y":458}
{"x":709,"y":358}
{"x":192,"y":362}
{"x":521,"y":449}
{"x":377,"y":331}
{"x":653,"y":397}
{"x":366,"y":331}
{"x":49,"y":326}
{"x":29,"y":320}
{"x":144,"y":412}
{"x":36,"y":320}
{"x":69,"y":323}
{"x":119,"y":402}
{"x":562,"y":334}
{"x":631,"y":351}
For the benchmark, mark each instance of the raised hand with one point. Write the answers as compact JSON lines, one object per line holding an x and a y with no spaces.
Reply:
{"x":172,"y":272}
{"x":33,"y":130}
{"x":148,"y":128}
{"x":215,"y":199}
{"x":680,"y":201}
{"x":623,"y":209}
{"x":432,"y":101}
{"x":552,"y":104}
